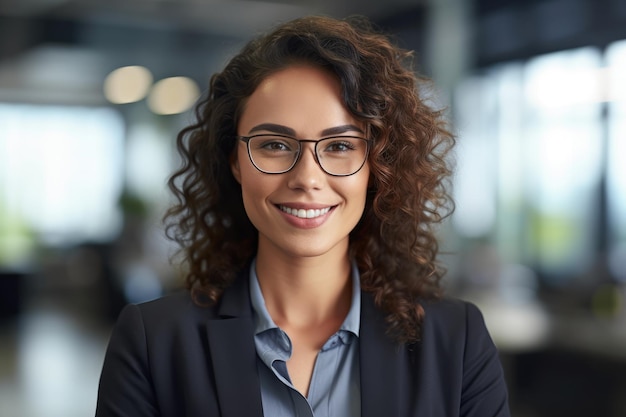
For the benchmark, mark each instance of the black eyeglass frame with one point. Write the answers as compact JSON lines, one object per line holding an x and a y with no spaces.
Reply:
{"x":246,"y":140}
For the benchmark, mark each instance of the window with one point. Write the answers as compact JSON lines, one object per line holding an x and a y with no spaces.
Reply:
{"x":61,"y":174}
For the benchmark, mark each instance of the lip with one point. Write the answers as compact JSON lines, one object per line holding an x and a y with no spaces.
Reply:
{"x":306,"y":223}
{"x":305,"y":206}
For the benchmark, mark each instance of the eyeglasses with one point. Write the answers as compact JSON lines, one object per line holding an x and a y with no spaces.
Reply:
{"x":338,"y":156}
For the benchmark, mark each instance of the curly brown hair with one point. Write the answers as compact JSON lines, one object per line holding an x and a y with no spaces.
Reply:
{"x":394,"y":243}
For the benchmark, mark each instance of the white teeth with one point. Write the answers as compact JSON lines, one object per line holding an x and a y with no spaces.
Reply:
{"x":305,"y":214}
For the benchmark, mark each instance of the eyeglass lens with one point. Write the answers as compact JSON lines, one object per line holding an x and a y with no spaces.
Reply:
{"x":342,"y":155}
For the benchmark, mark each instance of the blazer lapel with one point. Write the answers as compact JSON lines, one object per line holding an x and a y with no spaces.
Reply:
{"x":385,"y":373}
{"x":233,"y":354}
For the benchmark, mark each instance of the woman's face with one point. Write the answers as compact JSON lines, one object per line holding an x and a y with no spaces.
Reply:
{"x":305,"y":102}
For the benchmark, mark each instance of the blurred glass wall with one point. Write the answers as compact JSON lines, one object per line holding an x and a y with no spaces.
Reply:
{"x":541,"y":164}
{"x":61,"y":175}
{"x":540,"y":191}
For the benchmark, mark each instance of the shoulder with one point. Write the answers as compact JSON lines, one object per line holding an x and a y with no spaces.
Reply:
{"x":450,"y":311}
{"x":168,"y":312}
{"x":457,"y":343}
{"x":154,"y":347}
{"x":180,"y":302}
{"x":454,"y":322}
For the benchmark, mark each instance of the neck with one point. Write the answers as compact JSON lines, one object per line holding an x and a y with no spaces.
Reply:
{"x":305,"y":292}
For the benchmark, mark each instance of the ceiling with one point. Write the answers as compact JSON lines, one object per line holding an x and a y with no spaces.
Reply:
{"x":61,"y":50}
{"x":224,"y":16}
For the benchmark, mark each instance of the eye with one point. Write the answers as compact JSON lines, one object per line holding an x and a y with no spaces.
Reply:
{"x":273,"y":144}
{"x":339,"y":146}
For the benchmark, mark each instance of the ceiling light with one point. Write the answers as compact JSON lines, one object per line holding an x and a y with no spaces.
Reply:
{"x":173,"y":95}
{"x":127,"y":84}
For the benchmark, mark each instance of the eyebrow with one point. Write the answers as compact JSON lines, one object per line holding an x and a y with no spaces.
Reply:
{"x":272,"y":127}
{"x":284,"y":130}
{"x":337,"y":130}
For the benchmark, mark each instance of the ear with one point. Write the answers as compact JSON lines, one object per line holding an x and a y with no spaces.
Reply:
{"x":234,"y":166}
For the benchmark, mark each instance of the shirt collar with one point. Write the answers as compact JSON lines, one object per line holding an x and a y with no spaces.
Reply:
{"x":263,"y":321}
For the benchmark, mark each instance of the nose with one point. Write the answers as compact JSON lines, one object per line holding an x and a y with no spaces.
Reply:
{"x":306,"y":174}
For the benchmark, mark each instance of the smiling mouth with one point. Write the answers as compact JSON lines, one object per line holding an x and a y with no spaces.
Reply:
{"x":305,"y":214}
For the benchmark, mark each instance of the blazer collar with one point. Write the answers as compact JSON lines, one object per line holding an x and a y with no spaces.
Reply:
{"x":235,"y":301}
{"x":384,"y":363}
{"x":233,"y":354}
{"x":385,"y":376}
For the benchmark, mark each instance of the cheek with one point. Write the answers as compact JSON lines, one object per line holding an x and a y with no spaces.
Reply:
{"x":255,"y":188}
{"x":250,"y":185}
{"x":355,"y":191}
{"x":251,"y":201}
{"x":248,"y":174}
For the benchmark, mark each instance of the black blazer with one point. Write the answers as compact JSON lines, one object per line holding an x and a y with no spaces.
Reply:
{"x":172,"y":358}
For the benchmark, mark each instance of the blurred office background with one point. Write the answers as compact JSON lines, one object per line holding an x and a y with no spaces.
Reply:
{"x":93,"y":92}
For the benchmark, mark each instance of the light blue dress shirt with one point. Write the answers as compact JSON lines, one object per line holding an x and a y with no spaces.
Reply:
{"x":335,"y":389}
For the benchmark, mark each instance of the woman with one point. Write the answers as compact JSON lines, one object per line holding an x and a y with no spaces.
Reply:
{"x":311,"y":184}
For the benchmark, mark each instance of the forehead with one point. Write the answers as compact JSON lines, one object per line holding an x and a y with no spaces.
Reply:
{"x":299,"y":76}
{"x":305,"y":98}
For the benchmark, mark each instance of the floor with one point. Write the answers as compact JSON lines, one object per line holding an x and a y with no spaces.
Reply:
{"x":50,"y":360}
